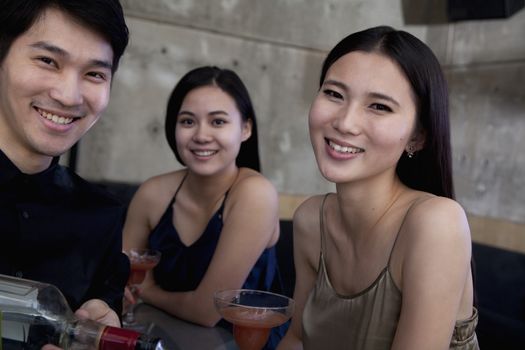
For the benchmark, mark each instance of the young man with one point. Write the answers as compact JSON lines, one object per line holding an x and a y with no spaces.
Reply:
{"x":57,"y":60}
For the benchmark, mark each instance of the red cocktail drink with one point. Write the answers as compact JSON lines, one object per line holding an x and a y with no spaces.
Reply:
{"x":141,"y":261}
{"x":253,"y":314}
{"x":139,"y":268}
{"x":251,"y":327}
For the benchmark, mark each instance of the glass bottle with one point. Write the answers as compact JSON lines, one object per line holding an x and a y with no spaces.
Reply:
{"x":33,"y":314}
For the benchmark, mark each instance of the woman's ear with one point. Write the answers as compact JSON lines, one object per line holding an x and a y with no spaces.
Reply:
{"x":246,"y":129}
{"x":417,"y":142}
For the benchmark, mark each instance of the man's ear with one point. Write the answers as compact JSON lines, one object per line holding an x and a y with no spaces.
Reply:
{"x":246,"y":129}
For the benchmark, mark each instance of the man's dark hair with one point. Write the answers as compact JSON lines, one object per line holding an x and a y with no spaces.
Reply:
{"x":102,"y":16}
{"x":229,"y":82}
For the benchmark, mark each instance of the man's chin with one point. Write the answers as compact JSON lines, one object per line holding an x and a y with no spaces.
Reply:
{"x":54,"y":151}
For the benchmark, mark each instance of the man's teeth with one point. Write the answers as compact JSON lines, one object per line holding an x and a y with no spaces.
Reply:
{"x":344,"y":149}
{"x":204,"y":153}
{"x":55,"y":118}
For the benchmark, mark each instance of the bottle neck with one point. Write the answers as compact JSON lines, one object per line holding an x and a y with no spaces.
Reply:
{"x":113,"y":338}
{"x":118,"y":339}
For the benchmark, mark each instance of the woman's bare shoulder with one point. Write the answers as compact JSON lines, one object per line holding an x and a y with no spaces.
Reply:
{"x":160,"y":186}
{"x":251,"y":184}
{"x":306,"y":219}
{"x":306,"y":232}
{"x":437,"y":219}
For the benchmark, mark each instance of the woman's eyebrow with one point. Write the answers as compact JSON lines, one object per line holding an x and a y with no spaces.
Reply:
{"x":336,"y":83}
{"x":384,"y":97}
{"x":346,"y":88}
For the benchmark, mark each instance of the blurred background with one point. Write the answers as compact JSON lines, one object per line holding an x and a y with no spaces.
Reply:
{"x":277,"y":47}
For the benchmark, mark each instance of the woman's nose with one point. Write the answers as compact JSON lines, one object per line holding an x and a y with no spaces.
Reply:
{"x":348,"y":120}
{"x":202,"y":134}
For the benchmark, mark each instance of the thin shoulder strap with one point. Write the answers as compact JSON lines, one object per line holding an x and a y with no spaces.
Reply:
{"x":321,"y":223}
{"x":228,"y":191}
{"x":402,"y":224}
{"x":178,"y":188}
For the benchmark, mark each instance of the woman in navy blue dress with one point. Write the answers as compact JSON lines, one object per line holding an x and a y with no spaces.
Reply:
{"x":215,"y":221}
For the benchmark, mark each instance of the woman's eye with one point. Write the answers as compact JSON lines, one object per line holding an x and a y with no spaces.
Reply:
{"x":380,"y":107}
{"x":185,"y":121}
{"x":332,"y":93}
{"x":218,"y":122}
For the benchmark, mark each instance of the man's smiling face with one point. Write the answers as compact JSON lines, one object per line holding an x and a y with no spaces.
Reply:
{"x":54,"y":84}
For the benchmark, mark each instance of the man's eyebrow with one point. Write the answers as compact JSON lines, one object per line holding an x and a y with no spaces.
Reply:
{"x":102,"y":64}
{"x":46,"y":46}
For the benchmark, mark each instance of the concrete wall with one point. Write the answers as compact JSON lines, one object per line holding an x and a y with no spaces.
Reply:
{"x":277,"y":47}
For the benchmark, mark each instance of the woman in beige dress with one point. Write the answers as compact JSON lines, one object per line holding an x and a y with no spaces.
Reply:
{"x":383,"y":263}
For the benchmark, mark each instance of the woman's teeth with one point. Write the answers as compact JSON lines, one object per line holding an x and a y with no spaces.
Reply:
{"x":204,"y":153}
{"x":344,"y":149}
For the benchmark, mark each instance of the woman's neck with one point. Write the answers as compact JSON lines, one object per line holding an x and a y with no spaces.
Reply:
{"x":362,"y":206}
{"x":211,"y":187}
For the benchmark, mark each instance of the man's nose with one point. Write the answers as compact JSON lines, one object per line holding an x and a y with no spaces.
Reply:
{"x":68,"y":90}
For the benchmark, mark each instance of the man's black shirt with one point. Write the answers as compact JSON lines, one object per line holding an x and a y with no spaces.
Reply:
{"x":57,"y":228}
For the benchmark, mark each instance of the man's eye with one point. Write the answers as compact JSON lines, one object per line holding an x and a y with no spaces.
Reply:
{"x":47,"y":60}
{"x":97,"y":75}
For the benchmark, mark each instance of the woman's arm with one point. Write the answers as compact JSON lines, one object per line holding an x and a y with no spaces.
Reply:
{"x":435,"y":272}
{"x":144,"y":212}
{"x":306,"y":244}
{"x":251,"y":222}
{"x":145,"y":209}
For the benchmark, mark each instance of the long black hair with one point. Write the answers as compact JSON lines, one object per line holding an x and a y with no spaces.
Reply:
{"x":430,"y":169}
{"x":229,"y":82}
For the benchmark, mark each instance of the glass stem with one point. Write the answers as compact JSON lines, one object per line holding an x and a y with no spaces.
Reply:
{"x":129,"y":317}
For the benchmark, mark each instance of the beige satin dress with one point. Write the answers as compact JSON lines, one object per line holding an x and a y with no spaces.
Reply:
{"x":365,"y":321}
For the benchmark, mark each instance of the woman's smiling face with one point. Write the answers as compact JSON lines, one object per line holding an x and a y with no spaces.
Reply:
{"x":210,"y":130}
{"x":363,"y":118}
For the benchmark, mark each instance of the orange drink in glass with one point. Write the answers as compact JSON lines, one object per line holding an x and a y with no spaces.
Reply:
{"x":141,"y":261}
{"x":253,"y":314}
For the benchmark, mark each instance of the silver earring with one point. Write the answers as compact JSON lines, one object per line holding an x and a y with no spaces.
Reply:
{"x":410,"y":151}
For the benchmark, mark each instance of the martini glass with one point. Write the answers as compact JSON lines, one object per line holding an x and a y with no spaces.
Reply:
{"x":141,"y":260}
{"x":253,"y":314}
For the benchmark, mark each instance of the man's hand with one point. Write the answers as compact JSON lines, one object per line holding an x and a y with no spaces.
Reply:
{"x":97,"y":310}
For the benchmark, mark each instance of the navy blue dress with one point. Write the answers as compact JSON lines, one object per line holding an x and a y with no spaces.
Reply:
{"x":182,"y":267}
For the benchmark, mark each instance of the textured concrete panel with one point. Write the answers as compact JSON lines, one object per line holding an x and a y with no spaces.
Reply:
{"x":489,"y":41}
{"x":488,"y":132}
{"x":128,"y":143}
{"x":277,"y":47}
{"x":305,"y":23}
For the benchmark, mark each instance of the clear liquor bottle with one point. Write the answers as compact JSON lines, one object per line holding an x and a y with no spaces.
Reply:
{"x":33,"y":314}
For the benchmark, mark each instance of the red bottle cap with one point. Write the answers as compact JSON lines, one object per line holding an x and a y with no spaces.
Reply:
{"x":114,"y":338}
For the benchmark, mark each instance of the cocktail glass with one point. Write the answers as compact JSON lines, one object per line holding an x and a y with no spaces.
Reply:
{"x":253,"y":314}
{"x":141,"y":260}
